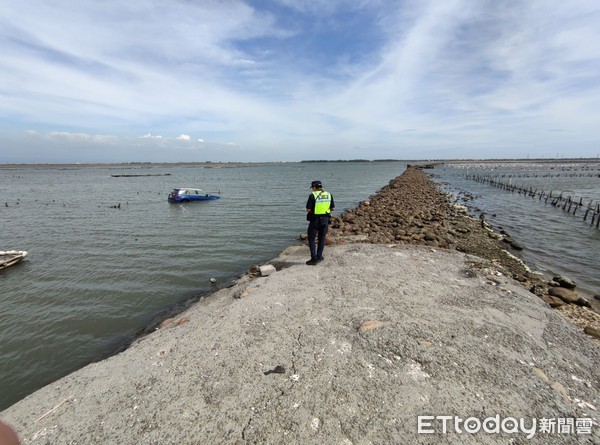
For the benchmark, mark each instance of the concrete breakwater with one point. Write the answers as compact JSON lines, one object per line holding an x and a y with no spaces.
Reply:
{"x":357,"y":349}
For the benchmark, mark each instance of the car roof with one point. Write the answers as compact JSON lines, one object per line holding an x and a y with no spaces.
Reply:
{"x":190,"y":189}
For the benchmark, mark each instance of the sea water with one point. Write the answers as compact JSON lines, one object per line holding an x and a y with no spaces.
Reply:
{"x":555,"y":241}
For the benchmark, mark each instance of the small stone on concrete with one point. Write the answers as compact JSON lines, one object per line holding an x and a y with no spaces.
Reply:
{"x":267,"y":270}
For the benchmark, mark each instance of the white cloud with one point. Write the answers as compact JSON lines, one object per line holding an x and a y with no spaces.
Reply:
{"x":455,"y":72}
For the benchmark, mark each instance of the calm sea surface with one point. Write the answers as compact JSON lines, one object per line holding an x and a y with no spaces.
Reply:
{"x":555,"y":241}
{"x":96,"y":275}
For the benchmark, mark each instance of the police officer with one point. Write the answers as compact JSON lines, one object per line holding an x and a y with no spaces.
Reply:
{"x":318,"y":213}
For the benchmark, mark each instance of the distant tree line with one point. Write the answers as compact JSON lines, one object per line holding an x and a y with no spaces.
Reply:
{"x":349,"y":160}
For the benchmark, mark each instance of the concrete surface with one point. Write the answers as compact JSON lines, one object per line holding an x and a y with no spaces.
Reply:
{"x":351,"y":351}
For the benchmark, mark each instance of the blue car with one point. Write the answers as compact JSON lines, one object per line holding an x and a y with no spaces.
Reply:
{"x":188,"y":194}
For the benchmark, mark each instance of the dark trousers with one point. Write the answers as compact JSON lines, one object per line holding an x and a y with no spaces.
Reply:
{"x":317,"y":228}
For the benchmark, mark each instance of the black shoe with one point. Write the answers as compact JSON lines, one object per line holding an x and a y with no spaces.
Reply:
{"x":319,"y":259}
{"x":312,"y":262}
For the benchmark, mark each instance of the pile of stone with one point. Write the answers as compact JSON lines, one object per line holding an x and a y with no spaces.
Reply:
{"x":412,"y":209}
{"x":409,"y":209}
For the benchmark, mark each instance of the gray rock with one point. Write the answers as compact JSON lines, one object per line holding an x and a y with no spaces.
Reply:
{"x":568,"y":296}
{"x":534,"y":275}
{"x":516,"y":245}
{"x":267,"y":270}
{"x":552,"y":300}
{"x":565,"y":282}
{"x":538,"y":290}
{"x":590,"y":330}
{"x":430,"y":237}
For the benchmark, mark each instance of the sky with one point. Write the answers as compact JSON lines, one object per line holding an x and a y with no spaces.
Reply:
{"x":288,"y":80}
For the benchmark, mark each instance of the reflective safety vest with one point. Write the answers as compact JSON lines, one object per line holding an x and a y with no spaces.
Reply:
{"x":322,"y":202}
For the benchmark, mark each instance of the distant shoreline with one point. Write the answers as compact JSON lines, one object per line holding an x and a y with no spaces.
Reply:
{"x":209,"y":164}
{"x":133,"y":165}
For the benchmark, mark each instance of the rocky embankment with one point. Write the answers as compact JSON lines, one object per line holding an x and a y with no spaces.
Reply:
{"x":412,"y":209}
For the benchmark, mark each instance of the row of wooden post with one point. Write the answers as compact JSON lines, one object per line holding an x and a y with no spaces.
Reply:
{"x":566,"y":203}
{"x":551,"y":175}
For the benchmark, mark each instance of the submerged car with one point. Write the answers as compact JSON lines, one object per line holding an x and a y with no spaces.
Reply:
{"x":188,"y":194}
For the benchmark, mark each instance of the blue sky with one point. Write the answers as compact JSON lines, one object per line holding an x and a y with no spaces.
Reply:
{"x":202,"y":80}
